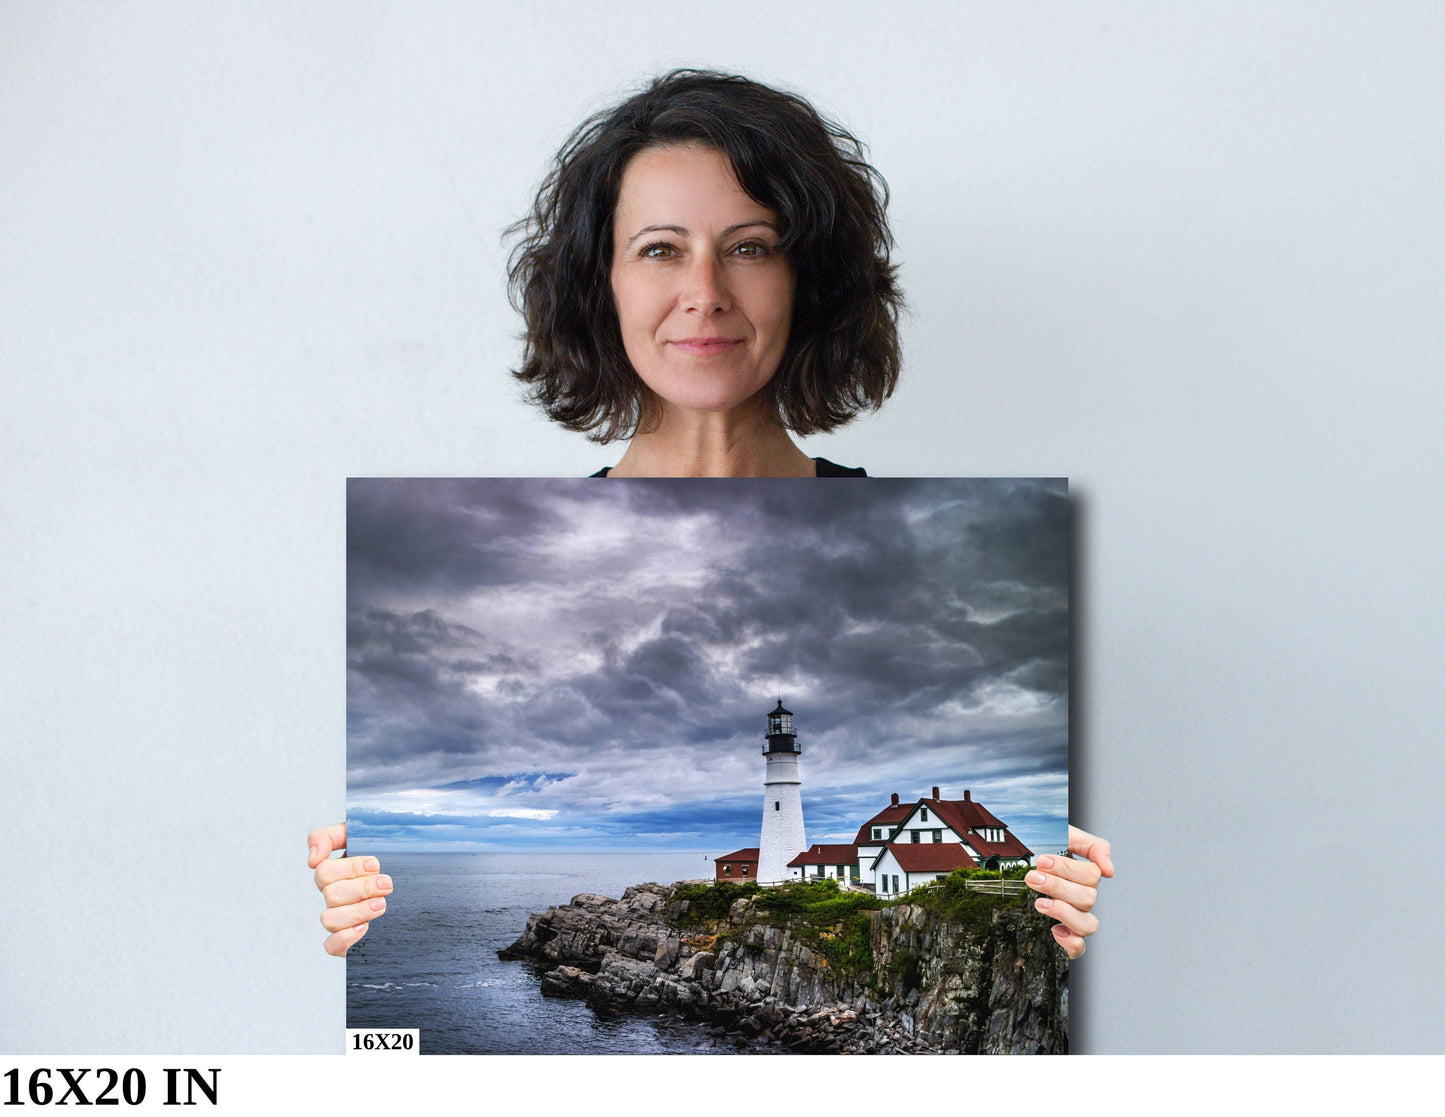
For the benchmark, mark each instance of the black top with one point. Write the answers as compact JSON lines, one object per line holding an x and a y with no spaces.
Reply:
{"x":825,"y":469}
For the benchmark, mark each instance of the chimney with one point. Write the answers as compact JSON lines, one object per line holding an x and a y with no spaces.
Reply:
{"x":965,"y":795}
{"x":935,"y":793}
{"x":895,"y":798}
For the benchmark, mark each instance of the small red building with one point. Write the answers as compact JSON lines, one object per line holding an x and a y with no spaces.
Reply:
{"x":739,"y":866}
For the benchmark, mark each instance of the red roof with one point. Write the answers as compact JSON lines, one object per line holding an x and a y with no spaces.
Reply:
{"x":884,"y":817}
{"x":963,"y":815}
{"x":826,"y":855}
{"x":930,"y":857}
{"x":1009,"y":847}
{"x":749,"y":854}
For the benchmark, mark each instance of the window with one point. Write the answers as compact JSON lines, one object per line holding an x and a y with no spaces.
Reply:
{"x":938,"y":836}
{"x":777,"y":806}
{"x":913,"y":836}
{"x":727,"y":870}
{"x":895,"y":882}
{"x":745,"y":870}
{"x":925,"y":814}
{"x":877,"y":832}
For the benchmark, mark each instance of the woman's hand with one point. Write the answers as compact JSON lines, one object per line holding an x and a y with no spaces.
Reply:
{"x":355,"y":889}
{"x":1070,"y":888}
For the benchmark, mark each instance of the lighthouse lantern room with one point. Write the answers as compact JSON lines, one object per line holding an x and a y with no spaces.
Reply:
{"x":782,"y":835}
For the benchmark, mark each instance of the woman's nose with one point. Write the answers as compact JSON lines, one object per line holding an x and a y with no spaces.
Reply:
{"x":705,"y":288}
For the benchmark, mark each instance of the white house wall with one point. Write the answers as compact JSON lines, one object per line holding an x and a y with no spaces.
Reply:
{"x":830,"y":871}
{"x":915,"y":821}
{"x":889,"y":864}
{"x":866,"y":854}
{"x":885,"y":831}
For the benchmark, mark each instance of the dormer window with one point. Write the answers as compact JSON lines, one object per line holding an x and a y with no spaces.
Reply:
{"x":925,"y":814}
{"x":877,"y":833}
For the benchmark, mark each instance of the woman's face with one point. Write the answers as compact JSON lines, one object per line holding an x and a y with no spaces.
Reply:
{"x":702,"y":294}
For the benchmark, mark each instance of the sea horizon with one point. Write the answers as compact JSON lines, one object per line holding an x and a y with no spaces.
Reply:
{"x":431,"y":961}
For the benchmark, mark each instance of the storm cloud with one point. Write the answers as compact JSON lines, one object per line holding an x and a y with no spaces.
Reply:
{"x":588,"y":664}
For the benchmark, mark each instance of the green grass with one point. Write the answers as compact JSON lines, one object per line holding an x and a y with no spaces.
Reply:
{"x":830,"y":922}
{"x":951,"y":900}
{"x":710,"y":903}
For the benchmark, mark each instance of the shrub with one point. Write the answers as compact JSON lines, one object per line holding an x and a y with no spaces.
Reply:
{"x":953,"y":901}
{"x":710,"y":903}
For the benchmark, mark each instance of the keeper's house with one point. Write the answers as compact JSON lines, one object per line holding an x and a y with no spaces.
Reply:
{"x":962,"y":823}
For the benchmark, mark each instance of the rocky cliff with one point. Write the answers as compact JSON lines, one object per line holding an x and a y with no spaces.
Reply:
{"x":989,"y":980}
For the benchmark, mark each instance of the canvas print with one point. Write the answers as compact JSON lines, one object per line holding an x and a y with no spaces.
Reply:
{"x":709,"y":766}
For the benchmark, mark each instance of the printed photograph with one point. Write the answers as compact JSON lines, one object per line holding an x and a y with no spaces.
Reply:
{"x":709,"y":766}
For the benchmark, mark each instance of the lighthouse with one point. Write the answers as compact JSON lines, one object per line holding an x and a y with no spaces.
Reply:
{"x":782,"y":837}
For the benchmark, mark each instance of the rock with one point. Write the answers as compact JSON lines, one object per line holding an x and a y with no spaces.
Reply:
{"x":566,"y":981}
{"x":934,"y":986}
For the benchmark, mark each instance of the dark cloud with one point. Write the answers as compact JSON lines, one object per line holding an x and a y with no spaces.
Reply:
{"x":631,"y":634}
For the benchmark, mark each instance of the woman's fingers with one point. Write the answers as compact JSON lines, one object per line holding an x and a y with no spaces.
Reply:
{"x":1073,"y":882}
{"x":1073,"y":944}
{"x":1070,"y":887}
{"x":1080,"y":923}
{"x":349,"y":915}
{"x":1095,"y":848}
{"x":340,"y":868}
{"x":339,"y":943}
{"x":323,"y":842}
{"x":1070,"y":868}
{"x":353,"y":889}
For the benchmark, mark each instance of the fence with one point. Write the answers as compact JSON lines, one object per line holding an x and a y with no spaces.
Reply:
{"x":997,"y":887}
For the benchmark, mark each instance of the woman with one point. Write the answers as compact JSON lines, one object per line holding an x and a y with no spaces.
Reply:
{"x":705,"y":271}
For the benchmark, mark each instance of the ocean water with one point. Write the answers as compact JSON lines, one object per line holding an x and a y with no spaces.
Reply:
{"x":431,"y":961}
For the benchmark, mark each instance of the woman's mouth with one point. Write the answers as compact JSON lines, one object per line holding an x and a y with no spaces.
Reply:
{"x":706,"y":346}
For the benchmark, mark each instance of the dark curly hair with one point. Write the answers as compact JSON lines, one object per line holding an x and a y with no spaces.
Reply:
{"x":843,"y":353}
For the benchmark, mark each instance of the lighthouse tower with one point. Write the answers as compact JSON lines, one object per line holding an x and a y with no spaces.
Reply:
{"x":782,"y":837}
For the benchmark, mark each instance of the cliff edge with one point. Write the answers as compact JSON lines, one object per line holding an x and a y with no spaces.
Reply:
{"x":813,"y":968}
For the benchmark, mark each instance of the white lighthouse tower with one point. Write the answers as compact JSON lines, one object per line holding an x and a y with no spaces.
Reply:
{"x":782,"y":837}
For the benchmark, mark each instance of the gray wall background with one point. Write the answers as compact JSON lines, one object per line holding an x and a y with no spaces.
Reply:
{"x":1188,"y":256}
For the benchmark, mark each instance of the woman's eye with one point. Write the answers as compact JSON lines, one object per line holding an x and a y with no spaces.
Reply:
{"x":751,"y":249}
{"x":660,"y":250}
